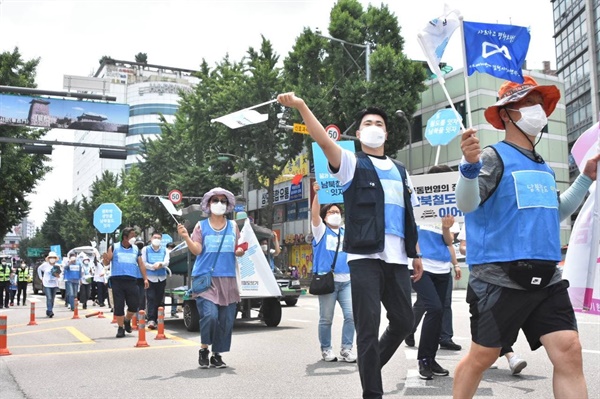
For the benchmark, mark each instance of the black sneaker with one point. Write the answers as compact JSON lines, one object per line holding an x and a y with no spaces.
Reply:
{"x":217,"y":362}
{"x":425,"y":369}
{"x":203,"y":358}
{"x":120,"y":332}
{"x":127,"y":325}
{"x":410,"y":340}
{"x":450,"y":345}
{"x":51,"y":315}
{"x":436,"y":369}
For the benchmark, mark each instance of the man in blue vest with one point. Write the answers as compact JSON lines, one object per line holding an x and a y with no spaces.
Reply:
{"x":72,"y":275}
{"x":380,"y":236}
{"x":124,"y":270}
{"x":513,"y":213}
{"x":156,"y":260}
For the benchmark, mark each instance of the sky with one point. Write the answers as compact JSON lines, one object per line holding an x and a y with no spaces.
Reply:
{"x":70,"y":36}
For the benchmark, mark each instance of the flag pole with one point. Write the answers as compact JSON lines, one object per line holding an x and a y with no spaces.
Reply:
{"x":467,"y":95}
{"x":593,"y":259}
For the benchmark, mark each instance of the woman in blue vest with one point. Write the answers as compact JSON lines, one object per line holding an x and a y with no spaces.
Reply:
{"x":72,"y":273}
{"x":328,"y":238}
{"x":214,"y":242}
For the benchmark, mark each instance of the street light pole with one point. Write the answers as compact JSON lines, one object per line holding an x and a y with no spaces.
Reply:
{"x":367,"y":48}
{"x":402,"y":115}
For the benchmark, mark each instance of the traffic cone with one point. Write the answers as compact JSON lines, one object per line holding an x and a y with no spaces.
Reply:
{"x":134,"y":322}
{"x":87,"y":316}
{"x":142,"y":331}
{"x":32,"y":315}
{"x":76,"y":310}
{"x":161,"y":324}
{"x":3,"y":338}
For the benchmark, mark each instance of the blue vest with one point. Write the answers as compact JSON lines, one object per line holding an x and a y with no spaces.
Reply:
{"x":124,"y":262}
{"x":73,"y":272}
{"x":224,"y":261}
{"x":520,"y":220}
{"x":153,"y":256}
{"x":324,"y":252}
{"x":432,"y":245}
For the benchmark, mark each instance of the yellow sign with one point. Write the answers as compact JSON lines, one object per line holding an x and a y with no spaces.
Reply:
{"x":301,"y":256}
{"x":300,"y":128}
{"x":297,"y":166}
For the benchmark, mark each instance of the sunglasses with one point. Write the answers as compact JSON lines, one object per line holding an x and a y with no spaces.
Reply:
{"x":216,"y":201}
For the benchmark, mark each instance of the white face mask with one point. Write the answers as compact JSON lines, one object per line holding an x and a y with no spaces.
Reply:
{"x":264,"y":247}
{"x":533,"y":119}
{"x":218,"y":209}
{"x":156,"y":242}
{"x":335,"y":219}
{"x":132,"y":241}
{"x":372,"y":136}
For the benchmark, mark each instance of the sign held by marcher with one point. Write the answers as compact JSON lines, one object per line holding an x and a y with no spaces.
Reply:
{"x":107,"y":217}
{"x":442,"y":127}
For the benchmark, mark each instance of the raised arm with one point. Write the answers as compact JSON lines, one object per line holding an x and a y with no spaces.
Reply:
{"x":333,"y":152}
{"x":315,"y":208}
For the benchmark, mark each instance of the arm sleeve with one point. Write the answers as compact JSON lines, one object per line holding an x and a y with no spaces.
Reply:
{"x":166,"y":260}
{"x":572,"y":198}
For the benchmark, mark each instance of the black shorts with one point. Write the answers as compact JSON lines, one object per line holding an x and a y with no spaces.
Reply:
{"x":497,"y":313}
{"x":125,"y":291}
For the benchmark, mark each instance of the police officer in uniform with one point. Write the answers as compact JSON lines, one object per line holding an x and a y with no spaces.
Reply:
{"x":23,"y":278}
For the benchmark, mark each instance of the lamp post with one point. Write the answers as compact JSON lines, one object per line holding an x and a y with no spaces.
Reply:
{"x":367,"y":48}
{"x":224,"y":156}
{"x":400,"y":114}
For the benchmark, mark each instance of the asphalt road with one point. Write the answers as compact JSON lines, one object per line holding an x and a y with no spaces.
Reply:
{"x":66,"y":358}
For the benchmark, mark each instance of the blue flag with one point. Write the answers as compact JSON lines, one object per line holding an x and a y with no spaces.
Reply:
{"x":498,"y":50}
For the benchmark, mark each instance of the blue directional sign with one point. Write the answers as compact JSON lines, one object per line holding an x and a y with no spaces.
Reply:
{"x":107,"y":217}
{"x":166,"y":238}
{"x":442,"y":127}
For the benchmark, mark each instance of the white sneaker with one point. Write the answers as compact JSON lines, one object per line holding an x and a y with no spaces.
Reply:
{"x":346,"y":355}
{"x":328,"y":356}
{"x":516,"y":364}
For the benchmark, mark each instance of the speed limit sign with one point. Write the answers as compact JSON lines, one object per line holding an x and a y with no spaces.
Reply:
{"x":175,"y":196}
{"x":334,"y":132}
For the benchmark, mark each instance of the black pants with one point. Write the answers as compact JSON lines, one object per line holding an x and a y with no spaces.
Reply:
{"x":155,"y":295}
{"x":22,"y":287}
{"x":141,"y":294}
{"x":4,"y":294}
{"x":375,"y":282}
{"x":102,"y":292}
{"x":125,"y":291}
{"x":84,"y":294}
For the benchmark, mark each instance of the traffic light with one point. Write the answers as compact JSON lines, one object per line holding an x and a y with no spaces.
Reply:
{"x":37,"y":149}
{"x":113,"y":154}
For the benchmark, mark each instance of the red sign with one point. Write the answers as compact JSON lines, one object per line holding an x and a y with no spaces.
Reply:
{"x":175,"y":196}
{"x":334,"y":132}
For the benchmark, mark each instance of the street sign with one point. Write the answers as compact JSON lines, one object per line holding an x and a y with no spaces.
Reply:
{"x":300,"y":128}
{"x":166,"y":238}
{"x":35,"y":252}
{"x":175,"y":196}
{"x":334,"y":132}
{"x":442,"y":127}
{"x":107,"y":217}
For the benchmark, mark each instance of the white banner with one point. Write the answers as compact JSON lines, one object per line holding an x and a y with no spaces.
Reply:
{"x":257,"y":279}
{"x":437,"y":198}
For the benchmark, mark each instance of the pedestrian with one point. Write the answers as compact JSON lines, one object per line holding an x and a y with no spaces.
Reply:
{"x":72,"y":276}
{"x":380,"y":236}
{"x":140,"y":281}
{"x":125,"y":265}
{"x":100,"y":281}
{"x":156,"y":260}
{"x":516,"y":363}
{"x":12,"y":287}
{"x":23,"y":278}
{"x":49,"y":273}
{"x":5,"y":270}
{"x":214,"y":242}
{"x":85,"y":288}
{"x":328,"y":256}
{"x":270,"y":253}
{"x":513,"y":213}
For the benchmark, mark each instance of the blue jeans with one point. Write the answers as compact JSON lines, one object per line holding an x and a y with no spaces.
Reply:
{"x":50,"y":293}
{"x":343,"y":294}
{"x":71,"y":289}
{"x":216,"y":324}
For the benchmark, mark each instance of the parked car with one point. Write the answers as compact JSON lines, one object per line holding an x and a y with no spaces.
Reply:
{"x":290,"y":287}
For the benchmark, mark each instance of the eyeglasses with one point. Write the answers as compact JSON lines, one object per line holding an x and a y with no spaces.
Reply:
{"x":334,"y":213}
{"x":216,"y":201}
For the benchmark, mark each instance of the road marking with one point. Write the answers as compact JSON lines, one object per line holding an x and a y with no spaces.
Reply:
{"x":300,"y":320}
{"x":414,"y":381}
{"x":591,"y":351}
{"x":87,"y":352}
{"x":84,"y":339}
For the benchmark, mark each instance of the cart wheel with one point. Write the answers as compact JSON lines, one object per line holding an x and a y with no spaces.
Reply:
{"x":191,"y":318}
{"x":271,"y":311}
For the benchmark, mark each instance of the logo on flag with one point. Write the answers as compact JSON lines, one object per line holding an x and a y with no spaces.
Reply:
{"x":495,"y":49}
{"x":435,"y":36}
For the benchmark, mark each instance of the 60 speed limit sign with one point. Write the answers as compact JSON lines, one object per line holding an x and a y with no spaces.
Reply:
{"x":334,"y":132}
{"x":175,"y":196}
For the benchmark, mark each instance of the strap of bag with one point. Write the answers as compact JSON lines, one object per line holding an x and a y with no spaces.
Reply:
{"x":337,"y":249}
{"x":220,"y":245}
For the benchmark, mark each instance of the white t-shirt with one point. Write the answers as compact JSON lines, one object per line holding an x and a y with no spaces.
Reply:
{"x":394,"y":251}
{"x":48,"y":280}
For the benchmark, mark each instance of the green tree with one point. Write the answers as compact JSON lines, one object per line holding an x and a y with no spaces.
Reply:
{"x":19,"y":172}
{"x":141,"y":58}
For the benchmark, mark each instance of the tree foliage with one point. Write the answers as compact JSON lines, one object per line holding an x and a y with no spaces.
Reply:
{"x":19,"y":172}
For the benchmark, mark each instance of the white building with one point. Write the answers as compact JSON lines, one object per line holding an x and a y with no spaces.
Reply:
{"x":149,"y":90}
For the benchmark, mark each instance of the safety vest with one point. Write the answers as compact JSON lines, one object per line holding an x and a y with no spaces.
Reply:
{"x":23,"y":275}
{"x":4,"y":273}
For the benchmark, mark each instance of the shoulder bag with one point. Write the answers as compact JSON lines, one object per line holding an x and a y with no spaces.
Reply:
{"x":202,"y":282}
{"x":322,"y":284}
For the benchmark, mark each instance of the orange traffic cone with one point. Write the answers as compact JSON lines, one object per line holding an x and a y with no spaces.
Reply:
{"x":32,"y":315}
{"x":87,"y":316}
{"x":101,"y":315}
{"x":161,"y":324}
{"x":3,"y":337}
{"x":142,"y":331}
{"x":76,"y":310}
{"x":134,"y":322}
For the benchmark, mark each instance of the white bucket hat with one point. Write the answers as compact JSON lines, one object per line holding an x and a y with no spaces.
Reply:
{"x":218,"y":191}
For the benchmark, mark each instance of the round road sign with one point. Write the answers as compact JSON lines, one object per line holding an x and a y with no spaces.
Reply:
{"x":334,"y":132}
{"x":175,"y":196}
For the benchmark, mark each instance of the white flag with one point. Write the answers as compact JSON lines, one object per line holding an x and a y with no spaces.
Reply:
{"x":169,"y":206}
{"x":242,"y":118}
{"x":434,"y":38}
